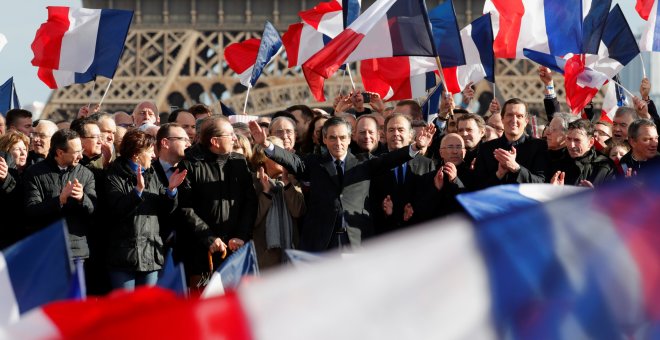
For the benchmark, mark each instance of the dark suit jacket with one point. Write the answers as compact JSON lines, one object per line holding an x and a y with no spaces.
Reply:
{"x":401,"y":194}
{"x":328,"y":199}
{"x":531,"y":155}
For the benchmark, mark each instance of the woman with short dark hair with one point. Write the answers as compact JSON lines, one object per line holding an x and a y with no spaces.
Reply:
{"x":137,"y":198}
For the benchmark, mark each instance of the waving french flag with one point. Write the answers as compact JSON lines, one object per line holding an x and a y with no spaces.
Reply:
{"x":477,"y":43}
{"x":614,"y":99}
{"x":248,"y":58}
{"x":75,"y":45}
{"x":651,"y":34}
{"x":398,"y":78}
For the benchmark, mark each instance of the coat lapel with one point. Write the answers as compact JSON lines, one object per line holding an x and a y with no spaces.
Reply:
{"x":329,"y":166}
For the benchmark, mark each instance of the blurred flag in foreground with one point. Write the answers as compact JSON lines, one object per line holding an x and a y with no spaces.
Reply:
{"x":241,"y":263}
{"x":583,"y":266}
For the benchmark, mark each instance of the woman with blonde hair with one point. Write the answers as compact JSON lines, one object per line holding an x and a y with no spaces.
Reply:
{"x":16,"y":144}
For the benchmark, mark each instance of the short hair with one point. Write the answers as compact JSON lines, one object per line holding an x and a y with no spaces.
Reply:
{"x":515,"y":101}
{"x":625,"y":110}
{"x":363,"y":117}
{"x":415,"y":108}
{"x":14,"y":115}
{"x":566,"y":119}
{"x":306,"y":111}
{"x":60,"y":140}
{"x":396,"y":115}
{"x":635,"y":126}
{"x":134,"y":142}
{"x":78,"y":125}
{"x":477,"y":119}
{"x":199,"y":109}
{"x":12,"y":137}
{"x":334,"y":121}
{"x":211,"y":130}
{"x":175,"y":114}
{"x":164,"y":132}
{"x":582,"y":124}
{"x":284,"y":114}
{"x":281,"y":119}
{"x":604,"y":123}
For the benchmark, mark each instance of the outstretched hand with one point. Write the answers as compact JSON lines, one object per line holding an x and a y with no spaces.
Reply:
{"x":177,"y":178}
{"x":258,"y":134}
{"x":425,"y":136}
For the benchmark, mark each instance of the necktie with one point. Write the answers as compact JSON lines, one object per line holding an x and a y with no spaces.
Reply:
{"x":340,"y":171}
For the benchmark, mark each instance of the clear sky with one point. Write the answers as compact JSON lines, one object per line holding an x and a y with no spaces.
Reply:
{"x":20,"y":20}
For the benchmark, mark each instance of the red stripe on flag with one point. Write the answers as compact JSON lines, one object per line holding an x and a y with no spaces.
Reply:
{"x":150,"y":313}
{"x":643,"y":8}
{"x":241,"y":56}
{"x":328,"y":60}
{"x":604,"y":117}
{"x":314,"y":16}
{"x":379,"y":75}
{"x":46,"y":75}
{"x":47,"y":43}
{"x":291,"y":42}
{"x":451,"y":79}
{"x":510,"y":13}
{"x":577,"y":97}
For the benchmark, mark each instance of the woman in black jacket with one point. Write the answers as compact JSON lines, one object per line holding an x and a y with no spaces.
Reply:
{"x":136,"y":198}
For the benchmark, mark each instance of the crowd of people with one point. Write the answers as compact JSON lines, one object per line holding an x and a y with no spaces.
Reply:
{"x":133,"y":186}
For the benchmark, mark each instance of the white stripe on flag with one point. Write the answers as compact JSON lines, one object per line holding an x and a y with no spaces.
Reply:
{"x":79,"y":43}
{"x":9,"y":311}
{"x":648,"y":32}
{"x":34,"y":325}
{"x":405,"y":292}
{"x":214,"y":287}
{"x":533,"y":33}
{"x":3,"y":41}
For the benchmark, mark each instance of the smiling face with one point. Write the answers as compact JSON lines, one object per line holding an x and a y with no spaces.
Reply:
{"x":72,"y":155}
{"x":398,"y":133}
{"x":645,"y":146}
{"x":19,"y":152}
{"x":514,"y":120}
{"x":145,"y":156}
{"x":367,"y":134}
{"x":470,"y":132}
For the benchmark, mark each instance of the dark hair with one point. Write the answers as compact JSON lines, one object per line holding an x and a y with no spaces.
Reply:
{"x":134,"y":142}
{"x":306,"y":111}
{"x":395,"y":115}
{"x":199,"y":109}
{"x":477,"y":119}
{"x":60,"y":140}
{"x":415,"y":109}
{"x":14,"y":115}
{"x":307,"y":146}
{"x":334,"y":121}
{"x":582,"y":124}
{"x":633,"y":129}
{"x":514,"y":101}
{"x":211,"y":130}
{"x":78,"y":125}
{"x":164,"y":132}
{"x":175,"y":114}
{"x":604,"y":123}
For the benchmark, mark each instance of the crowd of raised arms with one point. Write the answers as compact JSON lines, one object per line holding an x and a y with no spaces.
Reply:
{"x":132,"y":186}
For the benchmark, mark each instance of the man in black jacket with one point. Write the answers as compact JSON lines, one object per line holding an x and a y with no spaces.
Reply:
{"x":643,"y":139}
{"x":10,"y":199}
{"x":514,"y":157}
{"x":340,"y":183}
{"x":217,"y":199}
{"x":583,"y":166}
{"x":59,"y":187}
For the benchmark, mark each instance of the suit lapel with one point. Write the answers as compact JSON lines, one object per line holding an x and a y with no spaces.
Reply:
{"x":329,"y":166}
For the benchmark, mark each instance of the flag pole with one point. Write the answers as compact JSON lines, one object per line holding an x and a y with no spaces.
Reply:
{"x":643,"y":67}
{"x":246,"y":98}
{"x":442,"y":76}
{"x":625,"y":89}
{"x":341,"y":85}
{"x":91,"y":98}
{"x":104,"y":93}
{"x":350,"y":76}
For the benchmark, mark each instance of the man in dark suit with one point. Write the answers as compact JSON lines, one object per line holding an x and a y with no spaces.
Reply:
{"x":394,"y":193}
{"x":338,"y":201}
{"x":514,"y":157}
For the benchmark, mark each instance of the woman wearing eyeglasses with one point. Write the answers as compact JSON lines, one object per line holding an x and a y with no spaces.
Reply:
{"x":136,"y":197}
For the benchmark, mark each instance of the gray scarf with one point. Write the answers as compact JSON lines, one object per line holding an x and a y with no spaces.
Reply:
{"x":279,"y":227}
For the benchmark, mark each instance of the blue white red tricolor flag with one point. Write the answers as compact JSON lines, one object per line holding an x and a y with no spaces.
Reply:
{"x":614,"y":99}
{"x":229,"y":275}
{"x":446,"y":34}
{"x":248,"y":58}
{"x":8,"y":97}
{"x":398,"y":78}
{"x":75,"y":45}
{"x":650,"y":40}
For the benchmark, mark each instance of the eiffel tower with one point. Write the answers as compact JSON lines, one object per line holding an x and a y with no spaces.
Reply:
{"x":174,"y":57}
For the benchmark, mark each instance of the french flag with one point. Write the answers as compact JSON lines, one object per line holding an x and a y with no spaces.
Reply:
{"x":33,"y":272}
{"x":248,"y":58}
{"x":8,"y":97}
{"x":446,"y":35}
{"x":582,"y":266}
{"x":230,"y":274}
{"x":398,"y":78}
{"x":301,"y":42}
{"x":477,"y":41}
{"x":326,"y":18}
{"x":388,"y":28}
{"x":75,"y":45}
{"x":614,"y":99}
{"x":650,"y":40}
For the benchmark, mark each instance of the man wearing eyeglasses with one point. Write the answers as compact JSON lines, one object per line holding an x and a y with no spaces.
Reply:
{"x":217,"y":199}
{"x":40,"y":141}
{"x":285,"y":129}
{"x":90,"y":137}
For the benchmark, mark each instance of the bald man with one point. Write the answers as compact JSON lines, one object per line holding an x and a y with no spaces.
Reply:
{"x":40,"y":141}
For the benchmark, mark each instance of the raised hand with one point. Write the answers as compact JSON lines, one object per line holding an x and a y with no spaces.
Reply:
{"x":343,"y":103}
{"x":438,"y":179}
{"x":4,"y":169}
{"x":376,"y":102}
{"x":177,"y":178}
{"x":645,"y":88}
{"x":140,"y":180}
{"x":66,"y":192}
{"x":424,"y":137}
{"x":468,"y":94}
{"x":388,"y":205}
{"x":447,"y":105}
{"x":546,"y":75}
{"x":558,"y":178}
{"x":357,"y":100}
{"x":408,"y":212}
{"x":258,"y":134}
{"x":641,"y":107}
{"x":264,"y":180}
{"x":77,"y":190}
{"x":494,"y":107}
{"x":450,"y":170}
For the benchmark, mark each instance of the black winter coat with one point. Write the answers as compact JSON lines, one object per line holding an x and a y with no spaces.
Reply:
{"x":135,"y":242}
{"x":592,"y":167}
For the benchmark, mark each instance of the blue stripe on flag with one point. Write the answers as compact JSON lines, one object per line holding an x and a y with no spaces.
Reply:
{"x":484,"y":204}
{"x":39,"y":267}
{"x":242,"y":262}
{"x":350,"y":11}
{"x":446,"y":35}
{"x":594,"y":24}
{"x":554,"y":63}
{"x":172,"y":276}
{"x":482,"y":35}
{"x":563,"y":24}
{"x":270,"y":44}
{"x":656,"y":31}
{"x":409,"y":29}
{"x":619,"y":39}
{"x":432,"y":103}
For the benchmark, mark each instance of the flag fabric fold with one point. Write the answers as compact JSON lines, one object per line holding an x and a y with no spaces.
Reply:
{"x":77,"y":45}
{"x":398,"y":78}
{"x":326,"y":17}
{"x":229,"y":275}
{"x":34,"y":271}
{"x":447,"y":35}
{"x":614,"y":99}
{"x":8,"y":97}
{"x":248,"y":58}
{"x":650,"y":41}
{"x":173,"y":276}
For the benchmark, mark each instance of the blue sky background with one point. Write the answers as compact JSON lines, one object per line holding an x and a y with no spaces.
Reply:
{"x":20,"y":20}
